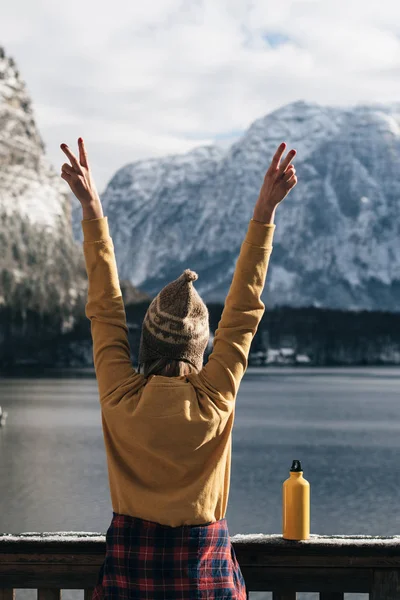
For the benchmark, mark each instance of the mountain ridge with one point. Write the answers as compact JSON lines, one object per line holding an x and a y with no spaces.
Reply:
{"x":336,"y":243}
{"x":42,"y":272}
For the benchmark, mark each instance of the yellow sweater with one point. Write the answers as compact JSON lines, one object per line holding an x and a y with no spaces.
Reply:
{"x":168,"y":439}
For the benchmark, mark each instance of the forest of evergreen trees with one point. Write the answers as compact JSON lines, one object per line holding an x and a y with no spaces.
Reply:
{"x":327,"y":337}
{"x":43,"y":323}
{"x":43,"y":286}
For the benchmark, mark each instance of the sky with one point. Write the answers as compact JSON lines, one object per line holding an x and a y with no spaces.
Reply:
{"x":140,"y":78}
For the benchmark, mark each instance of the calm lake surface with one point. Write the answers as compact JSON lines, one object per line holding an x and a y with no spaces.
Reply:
{"x":343,"y":424}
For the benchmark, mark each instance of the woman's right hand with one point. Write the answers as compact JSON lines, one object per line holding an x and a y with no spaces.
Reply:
{"x":278,"y":181}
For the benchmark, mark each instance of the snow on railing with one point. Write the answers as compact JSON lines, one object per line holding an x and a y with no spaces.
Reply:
{"x":329,"y":564}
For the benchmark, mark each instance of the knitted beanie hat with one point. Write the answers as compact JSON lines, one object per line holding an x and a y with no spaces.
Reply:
{"x":176,"y":324}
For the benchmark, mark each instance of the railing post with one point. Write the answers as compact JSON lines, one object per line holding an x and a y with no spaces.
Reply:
{"x":49,"y":594}
{"x":385,"y":585}
{"x":284,"y":595}
{"x":88,"y":593}
{"x":7,"y":594}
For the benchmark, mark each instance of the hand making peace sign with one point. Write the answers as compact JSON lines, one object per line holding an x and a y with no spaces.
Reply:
{"x":278,"y":181}
{"x":79,"y":177}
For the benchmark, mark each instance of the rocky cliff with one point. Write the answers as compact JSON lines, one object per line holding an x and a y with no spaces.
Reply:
{"x":337,"y":238}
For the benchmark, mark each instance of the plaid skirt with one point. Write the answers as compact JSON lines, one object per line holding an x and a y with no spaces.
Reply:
{"x":149,"y":561}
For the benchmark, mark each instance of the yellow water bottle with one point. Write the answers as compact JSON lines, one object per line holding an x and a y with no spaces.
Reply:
{"x":296,"y":505}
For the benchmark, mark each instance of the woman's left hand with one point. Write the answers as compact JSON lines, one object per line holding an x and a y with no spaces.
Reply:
{"x":79,"y":178}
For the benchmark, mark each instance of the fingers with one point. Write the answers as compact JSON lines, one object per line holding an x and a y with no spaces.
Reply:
{"x":291,"y":182}
{"x":72,"y":158}
{"x":66,"y":169}
{"x":83,"y":157}
{"x":285,"y":163}
{"x":288,"y":174}
{"x":288,"y":178}
{"x":277,"y":156}
{"x":278,"y":168}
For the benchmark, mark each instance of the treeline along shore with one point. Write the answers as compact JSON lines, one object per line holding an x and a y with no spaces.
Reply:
{"x":286,"y":336}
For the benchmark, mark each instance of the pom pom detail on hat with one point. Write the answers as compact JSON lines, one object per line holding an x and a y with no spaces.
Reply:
{"x":189,"y":275}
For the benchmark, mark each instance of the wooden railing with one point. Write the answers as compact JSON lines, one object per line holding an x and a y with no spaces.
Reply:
{"x":325,"y":564}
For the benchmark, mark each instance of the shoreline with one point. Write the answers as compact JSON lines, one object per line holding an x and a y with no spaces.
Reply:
{"x":35,"y":372}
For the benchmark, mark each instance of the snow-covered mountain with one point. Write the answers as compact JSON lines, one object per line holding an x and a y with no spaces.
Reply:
{"x":28,"y":183}
{"x":41,"y":267}
{"x":337,"y":240}
{"x":43,"y":281}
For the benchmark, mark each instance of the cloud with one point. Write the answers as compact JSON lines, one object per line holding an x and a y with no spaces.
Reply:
{"x":141,"y":79}
{"x":275,"y":38}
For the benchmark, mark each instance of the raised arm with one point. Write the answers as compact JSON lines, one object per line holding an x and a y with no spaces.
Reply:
{"x":104,"y":307}
{"x":221,"y":376}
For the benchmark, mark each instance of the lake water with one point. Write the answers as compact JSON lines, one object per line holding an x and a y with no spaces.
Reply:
{"x":343,"y":424}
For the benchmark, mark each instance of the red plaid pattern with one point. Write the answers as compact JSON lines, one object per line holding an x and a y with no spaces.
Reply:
{"x":149,"y":561}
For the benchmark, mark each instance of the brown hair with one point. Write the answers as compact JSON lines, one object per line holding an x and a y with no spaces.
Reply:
{"x":167,"y":367}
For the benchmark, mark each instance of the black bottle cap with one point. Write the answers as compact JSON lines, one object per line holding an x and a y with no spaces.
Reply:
{"x":296,"y":466}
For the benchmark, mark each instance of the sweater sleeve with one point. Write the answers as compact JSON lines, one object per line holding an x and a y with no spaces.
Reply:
{"x":106,"y":311}
{"x":221,"y":376}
